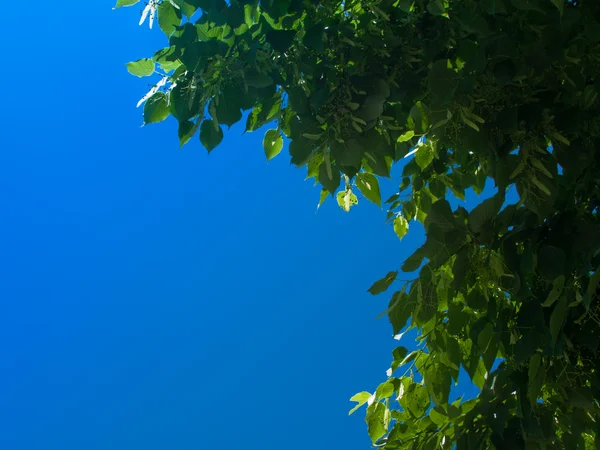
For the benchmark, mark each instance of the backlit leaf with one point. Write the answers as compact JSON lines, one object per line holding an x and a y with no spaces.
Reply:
{"x":141,"y":67}
{"x":368,"y":185}
{"x":272,"y":143}
{"x":400,"y":226}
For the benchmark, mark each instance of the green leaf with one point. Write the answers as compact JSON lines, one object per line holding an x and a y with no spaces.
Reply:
{"x":280,"y":40}
{"x":537,"y":376}
{"x":227,"y":110}
{"x":169,"y":18}
{"x":406,"y":136}
{"x":329,"y":178}
{"x":400,"y":309}
{"x":405,"y":5}
{"x":414,"y":261}
{"x":156,"y":108}
{"x":385,"y":389}
{"x":541,"y":186}
{"x":258,"y":80}
{"x":322,"y":197}
{"x":382,"y":285}
{"x":314,"y":38}
{"x":453,"y":352}
{"x":399,"y":353}
{"x":427,"y":300}
{"x":376,"y":423}
{"x":312,"y":137}
{"x":593,"y":284}
{"x":459,"y":269}
{"x":551,"y":262}
{"x":361,"y":398}
{"x":416,"y":400}
{"x":121,"y":3}
{"x":300,"y":151}
{"x":272,"y":143}
{"x":560,"y":4}
{"x":438,"y":415}
{"x":440,"y":214}
{"x":436,"y":7}
{"x":141,"y":67}
{"x":480,"y":218}
{"x":418,"y":119}
{"x":557,"y":318}
{"x":442,"y":81}
{"x":368,"y":185}
{"x":470,"y":123}
{"x":209,"y":136}
{"x":557,"y":289}
{"x":400,"y":226}
{"x":346,"y":199}
{"x":185,"y":131}
{"x":425,"y":155}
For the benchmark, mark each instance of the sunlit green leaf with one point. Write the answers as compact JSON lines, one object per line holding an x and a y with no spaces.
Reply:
{"x":400,"y":226}
{"x":361,"y":398}
{"x":424,"y":156}
{"x":406,"y":136}
{"x":141,"y":67}
{"x":126,"y":3}
{"x":272,"y":143}
{"x":368,"y":186}
{"x":376,"y":423}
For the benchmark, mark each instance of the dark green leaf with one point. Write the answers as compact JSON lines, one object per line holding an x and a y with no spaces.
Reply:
{"x":209,"y":135}
{"x":186,"y":130}
{"x":459,"y":269}
{"x":482,"y":215}
{"x":436,"y":7}
{"x":258,"y":80}
{"x":401,"y":308}
{"x":300,"y":151}
{"x":280,"y":40}
{"x":228,"y":112}
{"x":156,"y":108}
{"x":329,"y":178}
{"x":442,"y":81}
{"x":314,"y":38}
{"x":441,"y":215}
{"x":551,"y":262}
{"x":537,"y":375}
{"x":382,"y":285}
{"x":557,"y":318}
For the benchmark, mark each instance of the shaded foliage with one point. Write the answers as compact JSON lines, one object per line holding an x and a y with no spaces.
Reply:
{"x":467,"y":92}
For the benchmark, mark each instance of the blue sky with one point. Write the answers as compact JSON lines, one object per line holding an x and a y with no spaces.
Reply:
{"x":154,"y":298}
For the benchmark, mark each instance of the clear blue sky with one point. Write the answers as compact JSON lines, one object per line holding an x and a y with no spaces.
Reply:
{"x":152,"y":298}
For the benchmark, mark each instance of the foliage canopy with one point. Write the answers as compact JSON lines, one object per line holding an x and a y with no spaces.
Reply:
{"x":467,"y":92}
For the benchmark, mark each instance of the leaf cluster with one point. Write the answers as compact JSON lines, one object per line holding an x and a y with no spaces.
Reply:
{"x":465,"y":95}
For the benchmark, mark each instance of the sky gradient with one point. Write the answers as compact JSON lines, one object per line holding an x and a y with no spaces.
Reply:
{"x":153,"y":298}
